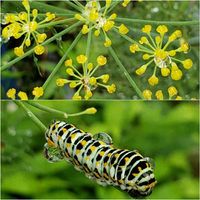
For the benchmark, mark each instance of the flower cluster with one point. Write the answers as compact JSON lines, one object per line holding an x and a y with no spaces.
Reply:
{"x":156,"y":50}
{"x":94,"y":17}
{"x":25,"y":23}
{"x":37,"y":92}
{"x":172,"y":94}
{"x":86,"y":80}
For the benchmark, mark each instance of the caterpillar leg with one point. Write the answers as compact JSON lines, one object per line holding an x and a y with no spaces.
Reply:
{"x":52,"y":154}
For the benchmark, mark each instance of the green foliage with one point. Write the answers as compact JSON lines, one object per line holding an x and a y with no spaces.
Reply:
{"x":164,"y":131}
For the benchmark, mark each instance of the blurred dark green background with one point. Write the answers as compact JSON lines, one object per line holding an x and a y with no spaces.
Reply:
{"x":164,"y":131}
{"x":24,"y":75}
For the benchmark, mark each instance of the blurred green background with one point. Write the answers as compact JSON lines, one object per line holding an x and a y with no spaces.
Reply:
{"x":164,"y":131}
{"x":24,"y":75}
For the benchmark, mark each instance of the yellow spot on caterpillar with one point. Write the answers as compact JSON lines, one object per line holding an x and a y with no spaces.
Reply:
{"x":139,"y":169}
{"x":101,"y":142}
{"x":116,"y":155}
{"x":68,"y":145}
{"x":120,"y":181}
{"x":97,"y":175}
{"x":97,"y":163}
{"x":134,"y":174}
{"x":92,"y":148}
{"x":73,"y":136}
{"x":67,"y":155}
{"x":83,"y":142}
{"x":101,"y":153}
{"x":59,"y":137}
{"x":78,"y":151}
{"x":105,"y":164}
{"x":147,"y":164}
{"x":50,"y":143}
{"x":64,"y":130}
{"x":126,"y":159}
{"x":87,"y":158}
{"x":109,"y":154}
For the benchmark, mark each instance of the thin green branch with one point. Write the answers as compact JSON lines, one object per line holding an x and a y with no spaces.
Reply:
{"x":88,"y":46}
{"x":43,"y":7}
{"x":56,"y":23}
{"x":47,"y":109}
{"x":7,"y":65}
{"x":79,"y":4}
{"x":73,"y":5}
{"x":131,"y":81}
{"x":57,"y":67}
{"x":31,"y":116}
{"x":143,"y":21}
{"x":114,"y":4}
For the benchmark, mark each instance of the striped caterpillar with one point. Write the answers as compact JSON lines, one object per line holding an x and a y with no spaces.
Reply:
{"x":99,"y":160}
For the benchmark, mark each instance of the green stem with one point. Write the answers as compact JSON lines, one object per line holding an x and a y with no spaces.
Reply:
{"x":31,"y":116}
{"x":43,"y":7}
{"x":88,"y":46}
{"x":79,"y":4}
{"x":73,"y":5}
{"x":113,"y":6}
{"x":131,"y":81}
{"x":4,"y":67}
{"x":57,"y":67}
{"x":56,"y":23}
{"x":47,"y":109}
{"x":175,"y":23}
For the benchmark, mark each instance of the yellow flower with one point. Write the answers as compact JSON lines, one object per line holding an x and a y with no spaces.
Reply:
{"x":176,"y":73}
{"x":41,"y":37}
{"x":39,"y":50}
{"x":125,"y":3}
{"x":105,"y":78}
{"x":159,"y":95}
{"x":91,"y":110}
{"x":85,"y":29}
{"x":165,"y":71}
{"x":19,"y":51}
{"x":123,"y":29}
{"x":11,"y":93}
{"x":162,"y":29}
{"x":172,"y":91}
{"x":70,"y":71}
{"x":141,"y":70}
{"x":187,"y":64}
{"x":88,"y":94}
{"x":111,"y":88}
{"x":76,"y":96}
{"x":179,"y":98}
{"x":93,"y":81}
{"x":68,"y":63}
{"x":153,"y":80}
{"x":147,"y":29}
{"x":101,"y":60}
{"x":38,"y":92}
{"x":107,"y":43}
{"x":81,"y":59}
{"x":61,"y":82}
{"x":133,"y":48}
{"x":22,"y":95}
{"x":147,"y":94}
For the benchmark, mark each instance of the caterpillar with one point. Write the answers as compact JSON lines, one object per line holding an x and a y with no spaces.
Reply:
{"x":96,"y":156}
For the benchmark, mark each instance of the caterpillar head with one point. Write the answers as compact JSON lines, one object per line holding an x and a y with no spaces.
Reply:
{"x":145,"y":181}
{"x":52,"y":154}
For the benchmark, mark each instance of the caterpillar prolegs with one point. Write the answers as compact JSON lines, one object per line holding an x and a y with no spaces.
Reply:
{"x":99,"y":159}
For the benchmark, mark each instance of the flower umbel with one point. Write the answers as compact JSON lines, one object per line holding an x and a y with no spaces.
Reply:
{"x":156,"y":51}
{"x":95,"y":18}
{"x":25,"y":24}
{"x":86,"y":82}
